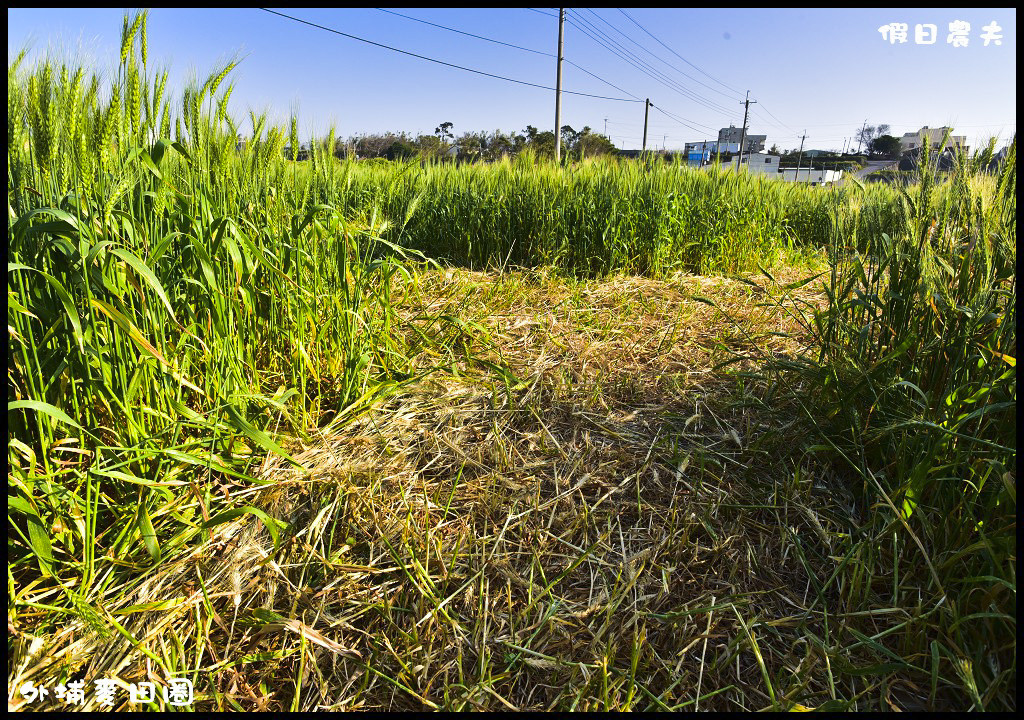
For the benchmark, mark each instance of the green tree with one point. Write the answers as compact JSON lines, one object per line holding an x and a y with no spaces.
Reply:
{"x":399,"y":150}
{"x":501,"y":144}
{"x":444,"y":132}
{"x":590,"y":144}
{"x":376,"y":145}
{"x":569,"y":139}
{"x":430,"y":146}
{"x":542,"y":143}
{"x":472,"y":146}
{"x":866,"y":134}
{"x":887,"y":146}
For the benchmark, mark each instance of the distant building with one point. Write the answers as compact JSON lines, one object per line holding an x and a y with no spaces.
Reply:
{"x":759,"y":162}
{"x":997,"y":159}
{"x":701,"y":153}
{"x":911,"y":141}
{"x":710,"y":146}
{"x":944,"y":161}
{"x":812,"y":176}
{"x":666,"y":155}
{"x":733,"y":134}
{"x":768,"y":165}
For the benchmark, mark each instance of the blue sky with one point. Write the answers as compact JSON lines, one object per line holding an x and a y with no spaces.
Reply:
{"x":824,"y":71}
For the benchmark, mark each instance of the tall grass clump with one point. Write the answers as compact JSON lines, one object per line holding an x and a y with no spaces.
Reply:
{"x":910,"y":382}
{"x":175,"y":307}
{"x":593,"y":218}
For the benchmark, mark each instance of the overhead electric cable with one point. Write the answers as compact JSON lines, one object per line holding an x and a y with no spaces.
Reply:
{"x":680,"y":120}
{"x":658,"y":57}
{"x":770,"y":113}
{"x":669,"y":84}
{"x":518,"y":47}
{"x":754,"y":114}
{"x":677,"y":54}
{"x":442,"y":62}
{"x":643,"y":65}
{"x":462,"y":32}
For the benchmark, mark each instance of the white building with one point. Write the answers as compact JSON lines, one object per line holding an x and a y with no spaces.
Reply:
{"x":759,"y":162}
{"x":808,"y":175}
{"x":935,"y":136}
{"x":765,"y":164}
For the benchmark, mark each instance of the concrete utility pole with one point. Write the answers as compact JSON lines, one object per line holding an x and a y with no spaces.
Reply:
{"x":663,"y":139}
{"x":558,"y":86}
{"x":743,"y":133}
{"x":841,"y":153}
{"x":800,"y":157}
{"x":606,"y":127}
{"x":647,"y":110}
{"x":861,"y":138}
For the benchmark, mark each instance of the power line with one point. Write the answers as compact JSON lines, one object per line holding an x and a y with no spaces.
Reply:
{"x":631,"y":19}
{"x":442,"y":62}
{"x":643,"y":65}
{"x":682,"y":121}
{"x":638,"y":64}
{"x":656,"y":125}
{"x":780,"y":128}
{"x":770,"y":113}
{"x":462,"y":32}
{"x":675,"y":122}
{"x":582,"y":69}
{"x":845,"y":124}
{"x":518,"y":47}
{"x":677,"y":54}
{"x":692,"y":94}
{"x":657,"y":57}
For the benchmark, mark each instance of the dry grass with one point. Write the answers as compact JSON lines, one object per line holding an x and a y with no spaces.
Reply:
{"x":611,"y":528}
{"x":615,"y":334}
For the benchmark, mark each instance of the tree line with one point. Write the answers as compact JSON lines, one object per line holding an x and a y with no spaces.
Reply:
{"x":470,"y":146}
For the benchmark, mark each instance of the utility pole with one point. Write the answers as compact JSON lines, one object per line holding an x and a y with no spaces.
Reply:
{"x":743,"y":133}
{"x":647,"y":110}
{"x":663,"y":139}
{"x":799,"y":158}
{"x":606,"y":127}
{"x":843,"y":153}
{"x":861,"y":138}
{"x":558,"y":86}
